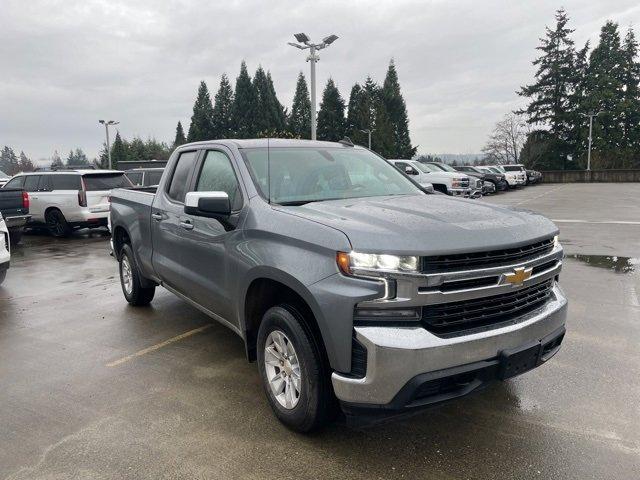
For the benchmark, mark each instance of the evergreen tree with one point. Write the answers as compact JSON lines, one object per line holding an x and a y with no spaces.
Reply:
{"x":361,"y":112}
{"x":25,"y":164}
{"x":222,"y":118}
{"x":244,"y":111}
{"x":279,"y":116}
{"x":579,"y":131}
{"x":119,"y":152}
{"x":331,"y":120}
{"x":299,"y":124}
{"x":56,"y":161}
{"x":604,"y":92}
{"x":77,"y":158}
{"x":397,"y":110}
{"x":102,"y":161}
{"x":550,"y":93}
{"x":631,"y":101}
{"x":9,"y":162}
{"x":383,"y":138}
{"x":180,"y":138}
{"x":263,"y":118}
{"x":201,"y":127}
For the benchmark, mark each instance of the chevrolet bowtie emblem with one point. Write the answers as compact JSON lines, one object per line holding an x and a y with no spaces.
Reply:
{"x":518,"y":276}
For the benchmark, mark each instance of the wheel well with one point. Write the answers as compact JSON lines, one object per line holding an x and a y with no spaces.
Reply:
{"x":120,"y":238}
{"x":49,"y":209}
{"x":440,"y":187}
{"x":264,"y":293}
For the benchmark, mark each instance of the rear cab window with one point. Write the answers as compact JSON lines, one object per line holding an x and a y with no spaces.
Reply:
{"x":135,"y":177}
{"x":95,"y":182}
{"x":152,"y":178}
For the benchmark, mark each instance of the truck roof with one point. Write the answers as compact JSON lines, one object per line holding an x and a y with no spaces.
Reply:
{"x":271,"y":142}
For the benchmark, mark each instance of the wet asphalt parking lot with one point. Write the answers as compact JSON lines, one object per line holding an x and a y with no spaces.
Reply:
{"x":93,"y":389}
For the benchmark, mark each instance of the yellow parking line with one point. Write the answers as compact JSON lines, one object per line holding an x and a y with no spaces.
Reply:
{"x":158,"y":345}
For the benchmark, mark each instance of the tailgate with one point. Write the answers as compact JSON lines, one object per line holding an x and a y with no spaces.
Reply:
{"x":11,"y":202}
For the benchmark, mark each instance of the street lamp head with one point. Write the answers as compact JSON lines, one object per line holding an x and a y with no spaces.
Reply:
{"x":111,"y":122}
{"x":101,"y":121}
{"x":330,"y":39}
{"x":302,"y":37}
{"x":297,"y":45}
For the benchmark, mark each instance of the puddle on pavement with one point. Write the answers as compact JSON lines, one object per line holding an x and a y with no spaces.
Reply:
{"x":610,"y":262}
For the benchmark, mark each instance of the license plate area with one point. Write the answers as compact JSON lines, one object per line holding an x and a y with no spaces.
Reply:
{"x":520,"y":360}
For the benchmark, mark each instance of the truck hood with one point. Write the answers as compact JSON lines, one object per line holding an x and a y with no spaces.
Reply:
{"x":444,"y":174}
{"x":426,"y":224}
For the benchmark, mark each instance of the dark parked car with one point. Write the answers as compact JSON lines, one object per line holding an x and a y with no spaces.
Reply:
{"x":498,"y":180}
{"x":533,"y":177}
{"x":14,"y":207}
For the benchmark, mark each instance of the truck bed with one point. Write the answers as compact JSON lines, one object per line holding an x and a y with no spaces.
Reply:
{"x":11,"y":207}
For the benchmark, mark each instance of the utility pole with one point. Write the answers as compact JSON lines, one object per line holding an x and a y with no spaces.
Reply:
{"x":591,"y":116}
{"x":106,"y":129}
{"x":368,"y":132}
{"x":305,"y":43}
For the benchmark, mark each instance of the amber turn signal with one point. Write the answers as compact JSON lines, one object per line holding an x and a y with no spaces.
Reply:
{"x":342,"y":259}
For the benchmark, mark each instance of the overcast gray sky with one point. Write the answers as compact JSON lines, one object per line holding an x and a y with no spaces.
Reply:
{"x":65,"y":64}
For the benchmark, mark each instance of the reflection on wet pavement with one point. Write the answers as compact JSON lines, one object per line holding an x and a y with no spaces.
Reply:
{"x":610,"y":262}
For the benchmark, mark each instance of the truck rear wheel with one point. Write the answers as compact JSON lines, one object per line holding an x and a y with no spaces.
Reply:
{"x":130,"y":280}
{"x":295,"y":378}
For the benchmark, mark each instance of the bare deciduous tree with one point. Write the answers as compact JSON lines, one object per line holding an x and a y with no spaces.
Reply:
{"x":506,"y":139}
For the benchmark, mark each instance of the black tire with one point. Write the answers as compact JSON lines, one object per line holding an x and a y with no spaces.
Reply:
{"x":57,"y":224}
{"x":316,"y":401}
{"x":15,"y":235}
{"x":134,"y":292}
{"x":3,"y":275}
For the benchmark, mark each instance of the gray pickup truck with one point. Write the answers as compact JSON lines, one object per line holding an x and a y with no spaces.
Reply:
{"x":344,"y":280}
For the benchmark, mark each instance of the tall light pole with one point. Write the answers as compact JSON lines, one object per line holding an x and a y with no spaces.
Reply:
{"x":106,"y":129}
{"x":369,"y":131}
{"x":591,"y":116}
{"x":304,"y":42}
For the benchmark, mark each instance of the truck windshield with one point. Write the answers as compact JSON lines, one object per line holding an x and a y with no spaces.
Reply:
{"x":105,"y":181}
{"x":446,"y":168}
{"x":295,"y":176}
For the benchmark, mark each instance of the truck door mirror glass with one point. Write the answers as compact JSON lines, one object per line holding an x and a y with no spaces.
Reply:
{"x":207,"y":204}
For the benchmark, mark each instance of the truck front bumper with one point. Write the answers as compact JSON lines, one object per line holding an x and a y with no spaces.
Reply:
{"x":401,"y":361}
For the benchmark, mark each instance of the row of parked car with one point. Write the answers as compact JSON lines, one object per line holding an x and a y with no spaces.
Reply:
{"x":467,"y":180}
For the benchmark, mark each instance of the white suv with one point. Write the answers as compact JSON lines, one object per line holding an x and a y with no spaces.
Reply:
{"x":446,"y":182}
{"x":67,"y":199}
{"x":5,"y":254}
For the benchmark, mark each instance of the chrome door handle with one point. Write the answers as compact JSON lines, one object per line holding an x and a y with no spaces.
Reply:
{"x":186,"y":224}
{"x":156,"y":216}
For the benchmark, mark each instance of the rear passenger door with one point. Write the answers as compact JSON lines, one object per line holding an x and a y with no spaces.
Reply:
{"x":168,"y":225}
{"x":206,"y":240}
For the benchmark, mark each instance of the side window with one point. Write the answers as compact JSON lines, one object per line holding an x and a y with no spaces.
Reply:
{"x":152,"y":178}
{"x":135,"y":177}
{"x":31,"y":183}
{"x":17,"y":182}
{"x":181,"y":175}
{"x":217,"y":175}
{"x":401,"y":166}
{"x":65,"y":182}
{"x":44,"y":185}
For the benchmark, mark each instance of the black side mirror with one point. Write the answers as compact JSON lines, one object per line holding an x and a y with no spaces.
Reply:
{"x":207,"y":204}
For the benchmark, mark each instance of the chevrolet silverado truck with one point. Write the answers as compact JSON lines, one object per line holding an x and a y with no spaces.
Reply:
{"x":344,"y":280}
{"x":444,"y":182}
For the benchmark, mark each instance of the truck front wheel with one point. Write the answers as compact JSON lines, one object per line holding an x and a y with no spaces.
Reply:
{"x":130,"y":277}
{"x":295,"y":378}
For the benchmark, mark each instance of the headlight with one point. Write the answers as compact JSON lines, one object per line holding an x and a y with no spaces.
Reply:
{"x":348,"y":262}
